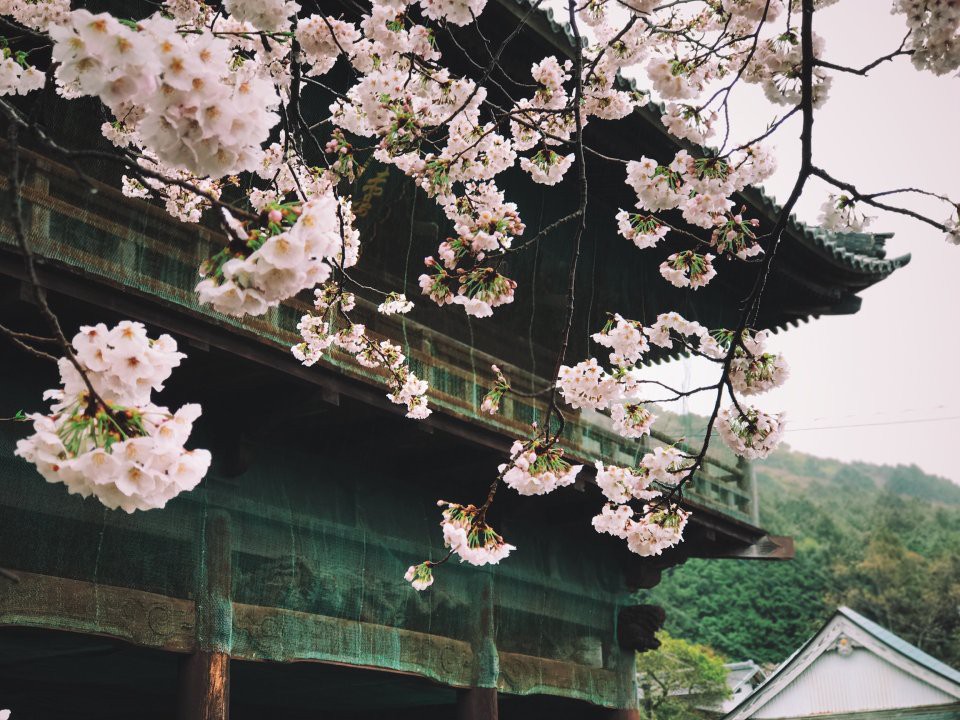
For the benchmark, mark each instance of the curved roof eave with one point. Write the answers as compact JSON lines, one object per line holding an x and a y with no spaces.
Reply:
{"x":826,"y":244}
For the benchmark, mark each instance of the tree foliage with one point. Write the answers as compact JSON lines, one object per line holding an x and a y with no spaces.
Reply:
{"x":681,"y":680}
{"x":883,"y":541}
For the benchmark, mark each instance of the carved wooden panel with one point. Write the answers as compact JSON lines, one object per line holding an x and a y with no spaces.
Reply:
{"x":140,"y":617}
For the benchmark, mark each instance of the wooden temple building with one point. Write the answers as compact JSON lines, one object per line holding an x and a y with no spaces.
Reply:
{"x":275,"y":589}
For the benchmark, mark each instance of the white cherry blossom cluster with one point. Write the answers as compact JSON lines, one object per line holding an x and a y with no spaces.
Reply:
{"x":478,"y":291}
{"x":671,"y":327}
{"x":699,"y":188}
{"x":537,"y":468}
{"x":192,"y":105}
{"x":331,"y":304}
{"x":395,"y":304}
{"x":186,"y":205}
{"x":631,"y":420}
{"x":407,"y":389}
{"x":620,"y":485}
{"x":657,"y":530}
{"x":666,"y":465}
{"x":625,"y":338}
{"x":688,"y":269}
{"x":458,"y":12}
{"x":547,"y":167}
{"x":754,"y":10}
{"x":119,"y":446}
{"x":290,"y":252}
{"x":687,"y":123}
{"x":934,"y":33}
{"x":37,"y":14}
{"x":752,"y":434}
{"x":16,"y":76}
{"x":469,"y":537}
{"x":587,"y":385}
{"x":775,"y":67}
{"x":323,"y":39}
{"x":841,"y":214}
{"x":952,"y":224}
{"x":672,"y":79}
{"x":753,"y":370}
{"x":736,"y":236}
{"x":266,"y":15}
{"x":645,"y":231}
{"x":654,"y":531}
{"x":420,"y":576}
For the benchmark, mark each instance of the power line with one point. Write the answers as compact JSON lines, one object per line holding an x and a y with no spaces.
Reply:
{"x":891,"y":422}
{"x":860,"y":425}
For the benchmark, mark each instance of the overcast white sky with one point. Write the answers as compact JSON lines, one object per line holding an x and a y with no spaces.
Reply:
{"x":882,"y":385}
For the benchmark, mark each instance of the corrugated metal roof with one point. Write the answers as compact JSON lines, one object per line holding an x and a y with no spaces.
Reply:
{"x":813,"y":648}
{"x":900,"y":645}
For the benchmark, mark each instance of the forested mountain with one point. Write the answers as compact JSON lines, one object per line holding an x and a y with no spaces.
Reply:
{"x":883,"y":540}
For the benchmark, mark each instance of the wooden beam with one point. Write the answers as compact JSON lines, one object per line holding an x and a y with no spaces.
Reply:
{"x":769,"y":547}
{"x":143,"y":618}
{"x":477,"y":704}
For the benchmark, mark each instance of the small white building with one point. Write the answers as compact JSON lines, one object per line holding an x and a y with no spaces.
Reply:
{"x":853,"y":669}
{"x":742,"y":679}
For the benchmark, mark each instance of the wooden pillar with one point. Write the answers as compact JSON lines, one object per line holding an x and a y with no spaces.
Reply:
{"x":480,"y":703}
{"x":748,"y":482}
{"x":204,"y":692}
{"x":619,"y":714}
{"x":204,"y":676}
{"x":477,"y":704}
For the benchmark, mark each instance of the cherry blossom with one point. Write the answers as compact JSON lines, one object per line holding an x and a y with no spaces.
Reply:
{"x":620,"y":485}
{"x":840,"y":213}
{"x":657,"y":530}
{"x":632,"y":420}
{"x":118,"y":446}
{"x":625,"y":338}
{"x":491,"y":401}
{"x":196,"y":93}
{"x":688,"y":269}
{"x":263,"y":14}
{"x":644,"y":230}
{"x":952,"y":225}
{"x":469,"y":537}
{"x":752,"y":434}
{"x":754,"y":371}
{"x":396,"y":303}
{"x":934,"y":33}
{"x":17,"y":77}
{"x":292,"y":252}
{"x":537,"y":470}
{"x":420,"y":576}
{"x":587,"y":385}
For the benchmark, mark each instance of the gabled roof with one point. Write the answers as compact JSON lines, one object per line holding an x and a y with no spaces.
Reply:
{"x":901,"y":645}
{"x":740,"y":674}
{"x":852,"y":665}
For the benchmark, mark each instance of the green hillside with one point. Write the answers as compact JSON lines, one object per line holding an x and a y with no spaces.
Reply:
{"x":883,"y":540}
